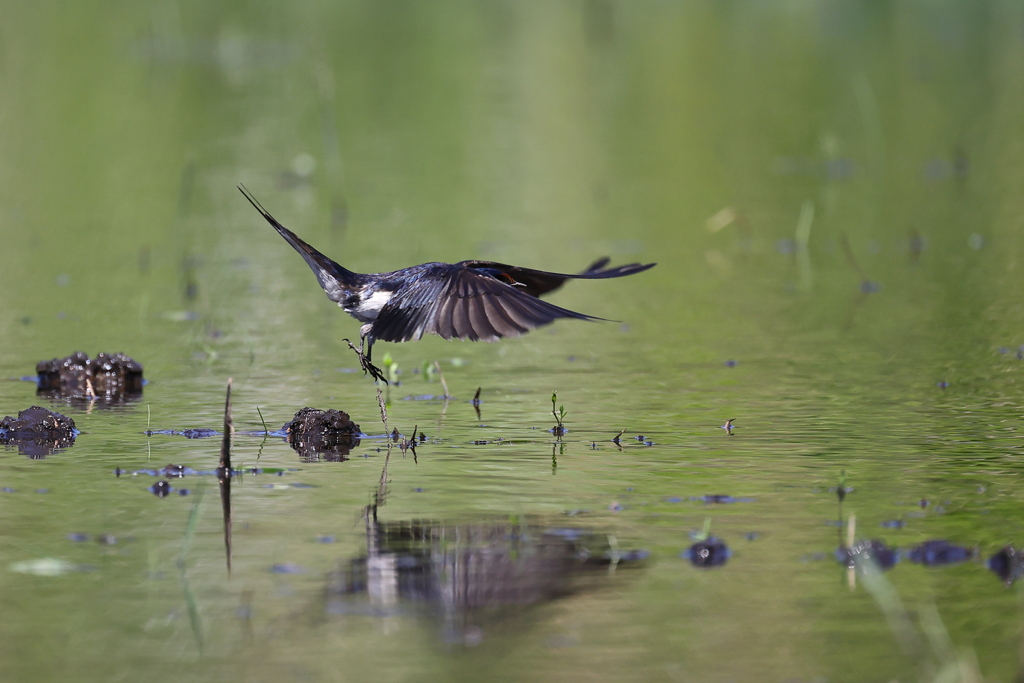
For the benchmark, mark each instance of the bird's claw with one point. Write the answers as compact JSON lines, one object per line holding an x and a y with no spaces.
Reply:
{"x":372,"y":369}
{"x":364,"y":362}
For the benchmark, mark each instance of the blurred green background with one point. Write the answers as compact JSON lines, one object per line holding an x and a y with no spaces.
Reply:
{"x":832,"y":191}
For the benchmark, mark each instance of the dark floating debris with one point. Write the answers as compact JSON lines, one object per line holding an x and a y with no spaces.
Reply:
{"x":38,"y":432}
{"x":936,"y":553}
{"x":1007,"y":564}
{"x":173,"y":470}
{"x":728,"y":426}
{"x":882,"y":555}
{"x":731,"y":363}
{"x":711,"y":552}
{"x":161,"y":489}
{"x":719,"y":499}
{"x":187,"y":433}
{"x":870,"y":287}
{"x":178,"y":471}
{"x":322,"y":434}
{"x":114,"y":379}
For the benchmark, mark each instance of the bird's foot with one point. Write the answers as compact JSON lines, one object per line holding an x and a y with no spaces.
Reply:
{"x":370,"y":368}
{"x":364,"y":362}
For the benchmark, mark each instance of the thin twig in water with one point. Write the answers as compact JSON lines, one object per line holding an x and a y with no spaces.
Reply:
{"x":266,"y":434}
{"x":224,"y":474}
{"x":410,"y":444}
{"x":383,"y":409}
{"x":844,"y":242}
{"x":382,"y":484}
{"x":618,"y":436}
{"x":440,"y":376}
{"x":229,"y":428}
{"x":190,"y":598}
{"x":613,"y":551}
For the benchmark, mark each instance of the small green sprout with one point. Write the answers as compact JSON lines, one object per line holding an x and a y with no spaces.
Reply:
{"x":428,"y":370}
{"x":559,"y":414}
{"x":841,"y":489}
{"x":391,"y":367}
{"x":705,"y":533}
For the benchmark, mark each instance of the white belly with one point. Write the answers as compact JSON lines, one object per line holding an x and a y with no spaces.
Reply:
{"x":369,"y":308}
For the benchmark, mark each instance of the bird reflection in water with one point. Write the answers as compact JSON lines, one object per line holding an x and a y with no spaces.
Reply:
{"x":471,"y":576}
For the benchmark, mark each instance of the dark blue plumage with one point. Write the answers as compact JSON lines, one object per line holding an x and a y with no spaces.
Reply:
{"x":469,"y":300}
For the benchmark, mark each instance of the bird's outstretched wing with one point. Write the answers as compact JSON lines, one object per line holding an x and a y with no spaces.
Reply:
{"x":468,"y":304}
{"x":539,"y":282}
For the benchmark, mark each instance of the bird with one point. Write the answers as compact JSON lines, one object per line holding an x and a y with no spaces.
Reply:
{"x":468,"y":300}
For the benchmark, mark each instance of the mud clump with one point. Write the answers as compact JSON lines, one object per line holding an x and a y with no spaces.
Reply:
{"x":322,"y":434}
{"x":114,"y":377}
{"x":1007,"y":564}
{"x":935,"y":553}
{"x":883,"y":556}
{"x":37,"y":432}
{"x":712,"y":552}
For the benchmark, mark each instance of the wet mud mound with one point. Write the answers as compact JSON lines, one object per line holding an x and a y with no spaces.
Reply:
{"x":322,"y":434}
{"x":712,"y":552}
{"x":116,"y":378}
{"x":1007,"y":564}
{"x":37,"y":432}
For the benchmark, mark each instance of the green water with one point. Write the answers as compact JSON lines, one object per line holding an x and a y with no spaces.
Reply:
{"x":832,"y":191}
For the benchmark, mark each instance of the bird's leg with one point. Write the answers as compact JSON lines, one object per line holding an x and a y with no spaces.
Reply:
{"x":367,"y":365}
{"x":364,"y":359}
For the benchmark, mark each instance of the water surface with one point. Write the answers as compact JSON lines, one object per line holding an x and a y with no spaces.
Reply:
{"x":831,"y":191}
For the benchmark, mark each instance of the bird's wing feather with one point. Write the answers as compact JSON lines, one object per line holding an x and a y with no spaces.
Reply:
{"x":540,"y":282}
{"x":466,"y":305}
{"x":332,"y":277}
